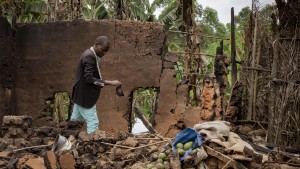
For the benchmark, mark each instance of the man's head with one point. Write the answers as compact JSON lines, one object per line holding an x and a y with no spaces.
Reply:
{"x":101,"y":46}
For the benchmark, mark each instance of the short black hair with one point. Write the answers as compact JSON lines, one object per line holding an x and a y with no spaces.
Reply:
{"x":102,"y":40}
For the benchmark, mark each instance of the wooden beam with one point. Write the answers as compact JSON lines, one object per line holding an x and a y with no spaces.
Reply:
{"x":251,"y":90}
{"x":140,"y":115}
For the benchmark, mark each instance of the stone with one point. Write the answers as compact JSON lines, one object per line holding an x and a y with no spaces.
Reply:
{"x":35,"y":163}
{"x":51,"y":160}
{"x":131,"y":142}
{"x":67,"y":161}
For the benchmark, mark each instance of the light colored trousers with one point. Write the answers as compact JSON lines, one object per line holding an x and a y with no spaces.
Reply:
{"x":88,"y":115}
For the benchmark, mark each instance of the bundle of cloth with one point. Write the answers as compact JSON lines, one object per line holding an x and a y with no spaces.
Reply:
{"x":219,"y":133}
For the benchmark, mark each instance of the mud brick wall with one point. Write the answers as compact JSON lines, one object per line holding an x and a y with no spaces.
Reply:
{"x":172,"y":112}
{"x":6,"y":68}
{"x":41,"y":59}
{"x":46,"y":57}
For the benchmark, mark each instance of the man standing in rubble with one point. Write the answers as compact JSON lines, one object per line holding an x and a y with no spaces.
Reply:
{"x":88,"y":84}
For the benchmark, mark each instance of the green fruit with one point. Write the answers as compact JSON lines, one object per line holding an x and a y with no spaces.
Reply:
{"x":159,"y":166}
{"x":180,"y":152}
{"x":179,"y":145}
{"x":150,"y":166}
{"x":188,"y":145}
{"x":193,"y":152}
{"x":162,"y":156}
{"x":160,"y":161}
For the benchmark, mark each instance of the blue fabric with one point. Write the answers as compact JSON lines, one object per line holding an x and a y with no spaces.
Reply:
{"x":88,"y":115}
{"x":185,"y":136}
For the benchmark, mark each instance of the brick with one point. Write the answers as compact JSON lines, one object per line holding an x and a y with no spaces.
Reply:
{"x":2,"y":163}
{"x":35,"y":163}
{"x":42,"y":131}
{"x":68,"y":133}
{"x":67,"y":161}
{"x":20,"y":142}
{"x":51,"y":160}
{"x":47,"y":140}
{"x":36,"y":141}
{"x":17,"y":120}
{"x":5,"y":154}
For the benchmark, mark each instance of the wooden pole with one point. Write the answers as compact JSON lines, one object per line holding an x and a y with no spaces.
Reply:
{"x":233,"y":52}
{"x":256,"y":81}
{"x":251,"y":90}
{"x":272,"y":110}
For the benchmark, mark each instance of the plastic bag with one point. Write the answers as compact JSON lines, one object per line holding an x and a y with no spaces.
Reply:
{"x":185,"y":136}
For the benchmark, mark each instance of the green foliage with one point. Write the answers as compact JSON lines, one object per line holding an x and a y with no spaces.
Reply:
{"x":168,"y":14}
{"x":145,"y":99}
{"x":24,"y":11}
{"x":92,"y":11}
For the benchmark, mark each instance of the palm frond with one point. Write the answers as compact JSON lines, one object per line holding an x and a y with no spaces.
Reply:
{"x":169,"y":13}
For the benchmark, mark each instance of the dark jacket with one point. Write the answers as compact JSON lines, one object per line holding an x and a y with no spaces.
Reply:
{"x":87,"y":85}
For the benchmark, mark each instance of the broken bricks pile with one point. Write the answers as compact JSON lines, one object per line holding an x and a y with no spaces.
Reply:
{"x":122,"y":150}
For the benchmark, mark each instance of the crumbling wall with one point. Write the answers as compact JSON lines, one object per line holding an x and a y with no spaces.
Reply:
{"x":172,"y":112}
{"x":6,"y":68}
{"x":46,"y":57}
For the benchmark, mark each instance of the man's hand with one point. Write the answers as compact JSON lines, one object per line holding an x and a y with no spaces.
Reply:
{"x":113,"y":82}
